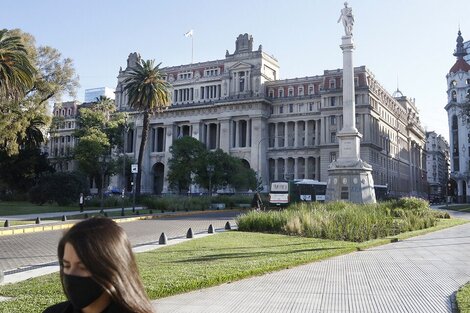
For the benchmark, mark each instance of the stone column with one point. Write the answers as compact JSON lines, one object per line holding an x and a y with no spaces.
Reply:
{"x":296,"y":167}
{"x":225,"y":135}
{"x":276,"y":170}
{"x":296,"y":134}
{"x":286,"y":137}
{"x":276,"y":141}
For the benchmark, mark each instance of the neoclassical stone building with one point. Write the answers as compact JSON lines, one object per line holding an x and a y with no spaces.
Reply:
{"x":458,"y":97}
{"x":282,"y":128}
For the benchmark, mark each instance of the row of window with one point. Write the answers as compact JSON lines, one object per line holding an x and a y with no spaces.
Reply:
{"x":453,"y":83}
{"x":207,"y":73}
{"x":301,"y":89}
{"x":64,"y":112}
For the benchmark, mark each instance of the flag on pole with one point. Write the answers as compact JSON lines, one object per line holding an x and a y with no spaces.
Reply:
{"x":189,"y":33}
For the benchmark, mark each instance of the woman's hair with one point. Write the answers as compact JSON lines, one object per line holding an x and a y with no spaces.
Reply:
{"x":103,"y":247}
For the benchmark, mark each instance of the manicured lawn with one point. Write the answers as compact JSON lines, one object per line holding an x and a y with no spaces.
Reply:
{"x":204,"y":262}
{"x":463,"y":299}
{"x":23,"y":207}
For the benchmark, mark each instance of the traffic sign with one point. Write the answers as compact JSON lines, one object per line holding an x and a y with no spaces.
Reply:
{"x":134,"y":168}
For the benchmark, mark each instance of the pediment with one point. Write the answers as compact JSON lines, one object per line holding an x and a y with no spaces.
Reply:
{"x":240,"y":66}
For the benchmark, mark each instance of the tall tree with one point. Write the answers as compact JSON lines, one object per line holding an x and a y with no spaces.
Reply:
{"x":53,"y":76}
{"x":99,"y":131}
{"x":148,"y":93}
{"x":187,"y":154}
{"x":16,"y":68}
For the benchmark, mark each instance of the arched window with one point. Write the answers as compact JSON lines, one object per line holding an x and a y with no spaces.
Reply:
{"x":290,"y":91}
{"x":280,"y":92}
{"x":311,"y":89}
{"x":454,"y":95}
{"x":271,"y":93}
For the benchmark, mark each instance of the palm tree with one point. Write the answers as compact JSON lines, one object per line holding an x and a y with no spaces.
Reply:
{"x":34,"y":135}
{"x":148,"y":93}
{"x":16,"y":70}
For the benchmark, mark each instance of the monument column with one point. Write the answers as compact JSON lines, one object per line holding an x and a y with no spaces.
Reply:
{"x":349,"y":178}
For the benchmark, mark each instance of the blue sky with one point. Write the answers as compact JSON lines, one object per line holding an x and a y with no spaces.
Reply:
{"x":408,"y":41}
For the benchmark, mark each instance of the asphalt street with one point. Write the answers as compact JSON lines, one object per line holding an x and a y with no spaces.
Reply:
{"x":25,"y":251}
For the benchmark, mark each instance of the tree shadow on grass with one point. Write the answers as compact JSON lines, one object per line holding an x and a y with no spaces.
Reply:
{"x":241,"y":255}
{"x":179,"y":250}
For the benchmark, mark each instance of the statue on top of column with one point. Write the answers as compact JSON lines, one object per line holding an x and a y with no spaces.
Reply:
{"x":348,"y":19}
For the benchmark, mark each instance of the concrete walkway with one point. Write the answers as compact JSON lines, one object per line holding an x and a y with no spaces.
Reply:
{"x":415,"y":275}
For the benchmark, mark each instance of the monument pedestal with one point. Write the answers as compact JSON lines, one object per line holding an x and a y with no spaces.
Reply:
{"x":350,"y":178}
{"x":350,"y":183}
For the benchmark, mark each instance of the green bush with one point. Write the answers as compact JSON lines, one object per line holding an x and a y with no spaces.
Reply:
{"x":63,"y":188}
{"x":342,"y":220}
{"x":232,"y":201}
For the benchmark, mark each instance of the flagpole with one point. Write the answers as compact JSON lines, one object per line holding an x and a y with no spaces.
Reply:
{"x":192,"y":49}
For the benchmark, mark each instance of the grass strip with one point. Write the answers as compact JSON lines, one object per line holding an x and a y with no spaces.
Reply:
{"x":463,"y":298}
{"x":202,"y":263}
{"x":23,"y":207}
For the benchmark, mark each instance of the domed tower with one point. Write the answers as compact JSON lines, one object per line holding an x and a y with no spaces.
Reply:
{"x":458,"y":104}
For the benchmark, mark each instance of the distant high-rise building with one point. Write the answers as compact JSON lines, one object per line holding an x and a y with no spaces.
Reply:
{"x":92,"y":94}
{"x":458,"y":97}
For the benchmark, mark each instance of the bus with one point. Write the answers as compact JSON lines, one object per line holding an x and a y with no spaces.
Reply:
{"x":381,"y":192}
{"x":283,"y":193}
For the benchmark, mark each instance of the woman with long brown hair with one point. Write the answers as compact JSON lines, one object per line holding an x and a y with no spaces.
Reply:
{"x":98,"y":270}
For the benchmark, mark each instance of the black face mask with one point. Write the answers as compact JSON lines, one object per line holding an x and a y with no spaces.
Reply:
{"x":81,"y":291}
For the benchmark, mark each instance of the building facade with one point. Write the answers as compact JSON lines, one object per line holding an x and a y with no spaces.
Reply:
{"x":458,"y":97}
{"x":283,"y":129}
{"x":61,"y":141}
{"x":437,"y":164}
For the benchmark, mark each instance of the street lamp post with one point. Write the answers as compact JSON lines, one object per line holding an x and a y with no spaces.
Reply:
{"x":103,"y":164}
{"x":124,"y":132}
{"x":387,"y":150}
{"x":133,"y":192}
{"x":210,"y":171}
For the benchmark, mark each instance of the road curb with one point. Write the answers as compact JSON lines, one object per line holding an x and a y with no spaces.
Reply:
{"x":34,"y":228}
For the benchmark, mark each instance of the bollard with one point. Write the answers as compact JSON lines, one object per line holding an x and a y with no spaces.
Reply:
{"x":163,"y":239}
{"x":64,"y":218}
{"x":122,"y":212}
{"x":211,"y":229}
{"x":189,"y":234}
{"x":227,"y":226}
{"x":6,"y":224}
{"x":38,"y":220}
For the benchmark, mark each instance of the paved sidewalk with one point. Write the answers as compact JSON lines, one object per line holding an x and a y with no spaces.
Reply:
{"x":415,"y":275}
